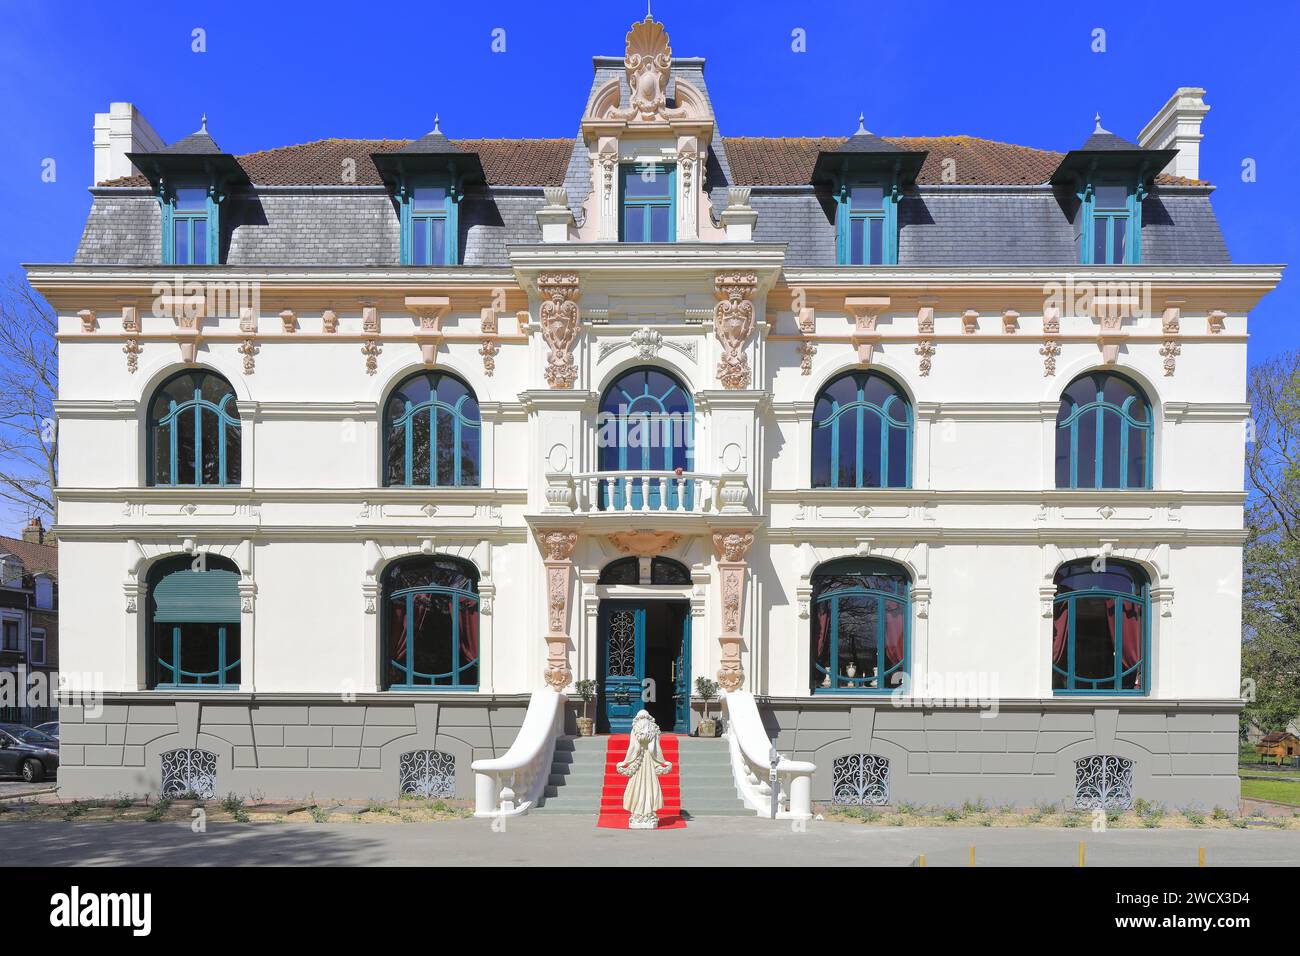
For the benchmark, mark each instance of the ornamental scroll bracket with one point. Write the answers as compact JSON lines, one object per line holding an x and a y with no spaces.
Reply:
{"x":733,"y":323}
{"x":557,"y":557}
{"x":866,"y":313}
{"x":559,"y":325}
{"x":731,"y":547}
{"x":430,"y":310}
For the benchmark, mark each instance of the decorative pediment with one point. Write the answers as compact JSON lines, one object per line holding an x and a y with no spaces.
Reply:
{"x":648,"y":62}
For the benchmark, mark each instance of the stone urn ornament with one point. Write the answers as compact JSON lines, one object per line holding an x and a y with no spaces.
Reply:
{"x":644,"y":764}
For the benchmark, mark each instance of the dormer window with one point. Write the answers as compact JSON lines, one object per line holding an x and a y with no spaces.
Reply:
{"x":1109,"y":177}
{"x":867,"y":176}
{"x":188,"y":221}
{"x":648,"y":206}
{"x":429,"y":226}
{"x":1112,"y":213}
{"x":868,"y":212}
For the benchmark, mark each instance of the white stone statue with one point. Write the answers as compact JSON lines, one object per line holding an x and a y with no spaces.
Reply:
{"x":644,"y":764}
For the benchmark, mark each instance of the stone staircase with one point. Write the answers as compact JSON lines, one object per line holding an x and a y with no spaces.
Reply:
{"x":578,"y":773}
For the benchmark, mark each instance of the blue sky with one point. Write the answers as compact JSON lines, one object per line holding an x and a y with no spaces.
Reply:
{"x":281,"y":73}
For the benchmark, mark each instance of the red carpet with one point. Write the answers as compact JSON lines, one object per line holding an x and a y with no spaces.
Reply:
{"x":612,"y":814}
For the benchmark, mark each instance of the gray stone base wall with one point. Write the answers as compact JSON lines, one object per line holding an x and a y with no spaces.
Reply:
{"x":278,"y":748}
{"x":1183,"y":754}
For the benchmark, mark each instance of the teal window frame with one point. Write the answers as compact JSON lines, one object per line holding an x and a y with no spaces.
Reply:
{"x":412,"y":218}
{"x":667,"y":172}
{"x":175,"y":220}
{"x":438,"y":410}
{"x":860,"y":408}
{"x":1142,"y":599}
{"x":631,"y":408}
{"x":860,"y":684}
{"x":847,"y":217}
{"x":1099,"y":410}
{"x":210,"y":608}
{"x":226,"y":417}
{"x":1093,"y":214}
{"x":455,"y":597}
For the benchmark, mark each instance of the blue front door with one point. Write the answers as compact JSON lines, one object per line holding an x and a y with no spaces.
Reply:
{"x":645,"y":664}
{"x":622,"y":628}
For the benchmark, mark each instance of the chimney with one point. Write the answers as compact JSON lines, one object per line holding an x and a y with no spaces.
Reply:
{"x":1177,"y":125}
{"x":34,"y":533}
{"x":123,"y":129}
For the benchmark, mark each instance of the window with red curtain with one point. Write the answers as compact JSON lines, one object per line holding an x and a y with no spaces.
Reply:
{"x":431,"y":624}
{"x":859,"y":639}
{"x":1091,"y":654}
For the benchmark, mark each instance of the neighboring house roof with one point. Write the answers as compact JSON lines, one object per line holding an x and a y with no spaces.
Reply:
{"x":753,"y":161}
{"x":35,"y":557}
{"x":1277,"y":737}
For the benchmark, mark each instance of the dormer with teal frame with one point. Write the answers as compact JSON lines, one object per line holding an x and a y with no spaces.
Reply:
{"x":428,"y":207}
{"x":191,"y":222}
{"x":867,"y":176}
{"x":1109,"y":178}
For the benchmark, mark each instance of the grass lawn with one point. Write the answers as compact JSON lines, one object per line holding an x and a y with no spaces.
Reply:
{"x":1281,"y":791}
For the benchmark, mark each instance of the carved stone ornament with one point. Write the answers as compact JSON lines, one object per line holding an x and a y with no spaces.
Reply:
{"x":1051,"y":320}
{"x":647,"y":342}
{"x":925,"y":320}
{"x":806,"y":350}
{"x":557,"y":545}
{"x":733,"y":322}
{"x":369,"y":319}
{"x":288,"y":321}
{"x":130,"y":319}
{"x":248,"y":348}
{"x":1214,"y":321}
{"x":559,"y":323}
{"x":1169,"y":352}
{"x":1049,"y":351}
{"x":371,"y":350}
{"x":644,"y":543}
{"x":489,"y":350}
{"x":648,"y":61}
{"x":87,"y":317}
{"x":132,"y":350}
{"x":329,"y":321}
{"x":732,"y":545}
{"x":926,"y":351}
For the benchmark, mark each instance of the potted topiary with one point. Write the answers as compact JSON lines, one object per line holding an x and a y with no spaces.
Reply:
{"x":586,"y":693}
{"x":706,"y":690}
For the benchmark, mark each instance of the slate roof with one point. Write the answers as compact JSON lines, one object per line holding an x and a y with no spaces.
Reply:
{"x":754,"y":161}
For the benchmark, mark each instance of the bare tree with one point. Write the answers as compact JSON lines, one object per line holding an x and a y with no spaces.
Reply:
{"x":28,"y":387}
{"x":1271,"y":605}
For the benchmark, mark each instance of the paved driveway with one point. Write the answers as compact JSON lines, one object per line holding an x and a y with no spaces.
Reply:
{"x":575,"y":841}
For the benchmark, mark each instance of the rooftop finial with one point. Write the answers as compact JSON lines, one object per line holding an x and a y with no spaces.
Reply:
{"x":436,"y":120}
{"x":203,"y":124}
{"x":1097,"y":120}
{"x":861,"y":119}
{"x":648,"y":14}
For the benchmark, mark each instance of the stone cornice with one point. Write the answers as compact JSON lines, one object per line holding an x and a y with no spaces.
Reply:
{"x":883,"y":497}
{"x":1087,"y":536}
{"x":254,"y":495}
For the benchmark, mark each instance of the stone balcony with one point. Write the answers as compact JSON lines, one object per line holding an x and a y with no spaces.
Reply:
{"x":662,"y":493}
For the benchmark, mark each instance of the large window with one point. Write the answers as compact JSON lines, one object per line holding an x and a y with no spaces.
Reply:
{"x":431,"y":433}
{"x":1112,"y":216}
{"x":1100,"y":628}
{"x":862,"y":434}
{"x":860,"y":626}
{"x":429,"y":225}
{"x":867,"y":209}
{"x":1104,"y":434}
{"x":190,"y":213}
{"x":430,"y":624}
{"x":194,"y":623}
{"x":194,"y":432}
{"x":646,"y":423}
{"x":648,"y":213}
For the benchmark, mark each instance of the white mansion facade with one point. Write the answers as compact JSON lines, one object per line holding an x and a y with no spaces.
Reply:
{"x":932,"y":446}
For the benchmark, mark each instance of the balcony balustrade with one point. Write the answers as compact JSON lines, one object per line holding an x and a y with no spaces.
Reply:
{"x":646,"y":492}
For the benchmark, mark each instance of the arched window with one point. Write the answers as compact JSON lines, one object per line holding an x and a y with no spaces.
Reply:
{"x":646,"y":423}
{"x":1104,"y":434}
{"x":431,"y":433}
{"x":662,"y":571}
{"x":862,"y":434}
{"x":860,"y":626}
{"x":194,"y":431}
{"x":1100,"y":628}
{"x":194,"y":623}
{"x":430,"y":624}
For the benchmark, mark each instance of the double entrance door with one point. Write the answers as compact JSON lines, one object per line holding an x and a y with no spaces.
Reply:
{"x":644,"y":664}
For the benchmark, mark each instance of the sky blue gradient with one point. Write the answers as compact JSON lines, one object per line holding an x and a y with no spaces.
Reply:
{"x":281,"y":73}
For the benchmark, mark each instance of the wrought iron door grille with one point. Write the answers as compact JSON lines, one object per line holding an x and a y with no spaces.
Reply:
{"x":427,"y":773}
{"x":1103,"y":782}
{"x":189,"y":772}
{"x":861,"y":780}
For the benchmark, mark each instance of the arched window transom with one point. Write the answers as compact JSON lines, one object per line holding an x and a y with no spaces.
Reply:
{"x":431,"y":433}
{"x":194,"y":432}
{"x":862,"y":434}
{"x":1100,"y":628}
{"x":430,"y":624}
{"x":194,"y":623}
{"x":860,"y":626}
{"x":1104,"y":434}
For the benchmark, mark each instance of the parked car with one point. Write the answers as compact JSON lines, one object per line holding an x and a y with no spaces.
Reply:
{"x":28,"y":752}
{"x":51,"y":728}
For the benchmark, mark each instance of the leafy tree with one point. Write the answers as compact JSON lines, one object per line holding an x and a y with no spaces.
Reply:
{"x":1271,"y":599}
